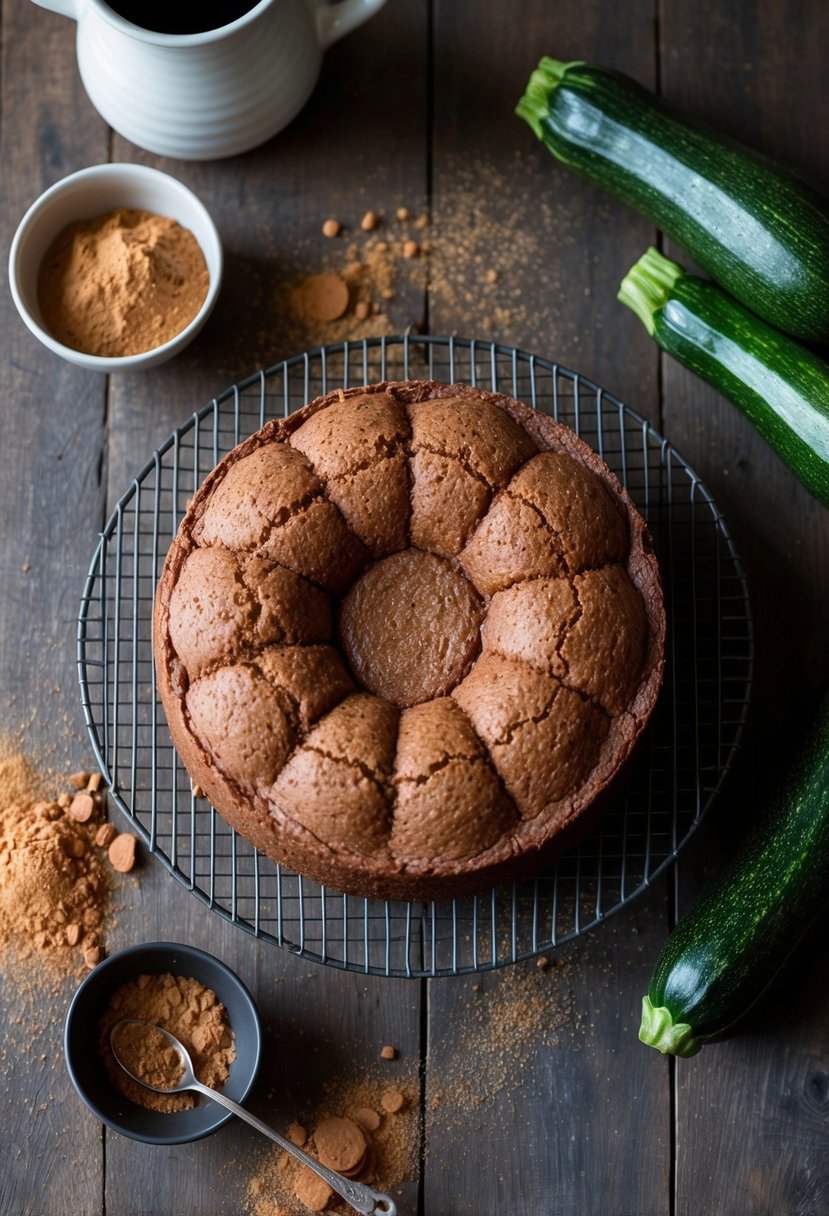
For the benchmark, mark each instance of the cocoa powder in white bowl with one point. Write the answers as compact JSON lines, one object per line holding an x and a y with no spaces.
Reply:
{"x":95,"y":192}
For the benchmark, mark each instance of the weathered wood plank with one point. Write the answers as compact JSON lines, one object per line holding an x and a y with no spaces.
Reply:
{"x":539,"y":1097}
{"x":322,"y":1025}
{"x":747,"y":1108}
{"x":502,"y":203}
{"x":51,"y":504}
{"x":512,"y":1122}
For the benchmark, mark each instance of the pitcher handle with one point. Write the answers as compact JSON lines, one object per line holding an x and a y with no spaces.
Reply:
{"x":334,"y":21}
{"x":66,"y":8}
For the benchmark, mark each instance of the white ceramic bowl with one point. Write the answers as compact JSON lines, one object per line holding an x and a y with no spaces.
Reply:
{"x":92,"y":192}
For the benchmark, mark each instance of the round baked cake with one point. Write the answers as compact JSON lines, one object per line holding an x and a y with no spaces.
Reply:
{"x":407,"y":637}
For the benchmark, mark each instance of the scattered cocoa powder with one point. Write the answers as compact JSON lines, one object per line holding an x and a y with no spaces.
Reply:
{"x":346,"y":1126}
{"x":312,"y":1191}
{"x":121,"y":852}
{"x":341,"y":292}
{"x":506,"y":1019}
{"x":105,"y":835}
{"x":121,"y":283}
{"x":51,"y":875}
{"x":55,"y":883}
{"x":82,"y":807}
{"x":188,"y":1010}
{"x":392,"y":1101}
{"x":367,"y":1118}
{"x":467,"y":257}
{"x":485,"y":246}
{"x":321,"y":297}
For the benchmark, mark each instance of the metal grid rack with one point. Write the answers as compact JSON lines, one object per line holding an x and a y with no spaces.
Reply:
{"x":675,"y":775}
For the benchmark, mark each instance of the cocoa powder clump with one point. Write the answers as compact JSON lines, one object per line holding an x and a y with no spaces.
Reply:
{"x":122,"y":283}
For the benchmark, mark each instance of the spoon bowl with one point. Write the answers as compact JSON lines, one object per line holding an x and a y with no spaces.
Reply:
{"x":187,"y":1077}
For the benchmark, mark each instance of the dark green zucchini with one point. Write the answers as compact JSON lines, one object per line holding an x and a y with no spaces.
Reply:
{"x":758,"y":229}
{"x":722,"y":957}
{"x":781,"y":387}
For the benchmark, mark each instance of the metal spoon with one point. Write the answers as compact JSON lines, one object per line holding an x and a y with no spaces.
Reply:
{"x":362,"y":1198}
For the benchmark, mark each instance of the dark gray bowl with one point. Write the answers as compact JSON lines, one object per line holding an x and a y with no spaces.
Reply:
{"x":86,"y":1067}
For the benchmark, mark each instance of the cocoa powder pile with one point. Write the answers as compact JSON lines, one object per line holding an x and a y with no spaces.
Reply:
{"x":366,"y":1129}
{"x":188,"y":1010}
{"x":351,"y":276}
{"x":56,"y":857}
{"x":122,"y":283}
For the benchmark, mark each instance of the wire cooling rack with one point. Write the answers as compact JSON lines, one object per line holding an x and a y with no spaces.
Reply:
{"x":676,"y":772}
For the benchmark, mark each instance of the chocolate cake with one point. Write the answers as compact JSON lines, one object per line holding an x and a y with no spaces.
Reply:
{"x":407,"y":637}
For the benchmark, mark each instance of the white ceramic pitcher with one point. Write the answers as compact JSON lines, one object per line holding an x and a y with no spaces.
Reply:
{"x":205,"y":95}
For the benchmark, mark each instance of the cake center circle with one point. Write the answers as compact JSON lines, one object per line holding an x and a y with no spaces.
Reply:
{"x":410,"y":627}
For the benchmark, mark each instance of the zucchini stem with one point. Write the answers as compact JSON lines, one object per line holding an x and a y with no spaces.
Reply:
{"x":659,"y":1030}
{"x":647,"y":285}
{"x":535,"y":104}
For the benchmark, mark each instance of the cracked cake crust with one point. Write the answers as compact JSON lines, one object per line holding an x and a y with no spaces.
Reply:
{"x":491,"y":748}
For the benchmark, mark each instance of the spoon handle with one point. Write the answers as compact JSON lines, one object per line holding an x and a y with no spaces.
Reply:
{"x":362,"y":1198}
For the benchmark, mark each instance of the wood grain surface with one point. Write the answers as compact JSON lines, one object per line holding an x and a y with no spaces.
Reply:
{"x":532,"y":1090}
{"x":52,"y":438}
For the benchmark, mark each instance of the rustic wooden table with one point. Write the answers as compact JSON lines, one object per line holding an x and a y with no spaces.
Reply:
{"x":414,"y":108}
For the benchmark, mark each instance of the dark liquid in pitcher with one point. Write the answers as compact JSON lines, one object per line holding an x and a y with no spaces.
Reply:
{"x":181,"y":16}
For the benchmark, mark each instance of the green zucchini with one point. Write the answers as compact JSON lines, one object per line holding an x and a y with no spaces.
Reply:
{"x":722,"y":957}
{"x":780,"y":386}
{"x":758,"y":229}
